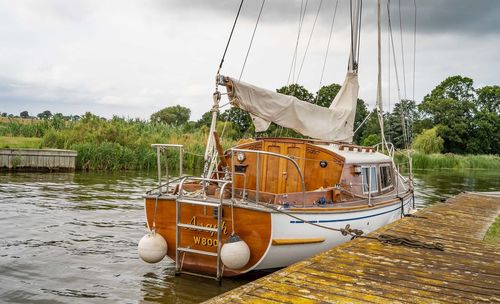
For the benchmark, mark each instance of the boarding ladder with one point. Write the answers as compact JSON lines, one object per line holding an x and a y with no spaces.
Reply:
{"x":200,"y":201}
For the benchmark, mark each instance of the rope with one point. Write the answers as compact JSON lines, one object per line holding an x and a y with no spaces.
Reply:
{"x":303,"y":9}
{"x":414,"y":48}
{"x":362,"y":123}
{"x":309,"y":41}
{"x":358,"y":233}
{"x":326,"y":53}
{"x":230,"y":36}
{"x":396,"y":72}
{"x":403,"y":241}
{"x":402,"y":49}
{"x":251,"y":40}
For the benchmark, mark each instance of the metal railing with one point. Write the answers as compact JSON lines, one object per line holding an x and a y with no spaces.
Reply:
{"x":164,"y":148}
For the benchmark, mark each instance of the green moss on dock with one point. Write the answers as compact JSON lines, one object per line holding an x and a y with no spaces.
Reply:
{"x":493,"y":234}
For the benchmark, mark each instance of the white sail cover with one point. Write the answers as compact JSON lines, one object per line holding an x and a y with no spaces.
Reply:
{"x":335,"y":123}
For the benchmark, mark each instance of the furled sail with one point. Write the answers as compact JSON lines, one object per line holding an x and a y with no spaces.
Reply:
{"x":265,"y":106}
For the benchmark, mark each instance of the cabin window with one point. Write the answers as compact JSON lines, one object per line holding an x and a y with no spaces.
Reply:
{"x":369,"y":177}
{"x":385,"y":176}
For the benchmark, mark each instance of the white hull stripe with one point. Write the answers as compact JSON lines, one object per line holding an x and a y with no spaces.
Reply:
{"x":349,"y":219}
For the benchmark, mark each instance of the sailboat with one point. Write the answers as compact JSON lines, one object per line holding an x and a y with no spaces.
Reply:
{"x":270,"y":202}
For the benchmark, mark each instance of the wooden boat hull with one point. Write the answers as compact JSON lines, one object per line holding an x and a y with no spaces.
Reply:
{"x":275,"y":239}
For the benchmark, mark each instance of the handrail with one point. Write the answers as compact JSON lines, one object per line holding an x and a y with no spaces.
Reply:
{"x":203,"y":179}
{"x":159,"y":149}
{"x":166,"y":184}
{"x":258,"y":152}
{"x":244,"y":182}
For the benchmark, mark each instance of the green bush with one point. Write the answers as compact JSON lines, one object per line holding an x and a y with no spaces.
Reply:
{"x":428,"y":142}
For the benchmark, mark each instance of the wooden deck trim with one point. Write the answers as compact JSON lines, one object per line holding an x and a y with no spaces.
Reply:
{"x":279,"y":242}
{"x":367,"y":271}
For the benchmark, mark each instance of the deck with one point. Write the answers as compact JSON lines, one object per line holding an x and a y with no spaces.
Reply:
{"x":37,"y":160}
{"x":368,"y":271}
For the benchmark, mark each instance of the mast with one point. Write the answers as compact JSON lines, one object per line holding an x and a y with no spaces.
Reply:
{"x":355,"y":27}
{"x":380,"y":106}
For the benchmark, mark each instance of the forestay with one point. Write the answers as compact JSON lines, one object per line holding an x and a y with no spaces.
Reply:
{"x":265,"y":106}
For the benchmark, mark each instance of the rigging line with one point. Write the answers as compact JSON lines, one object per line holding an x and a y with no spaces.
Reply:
{"x":389,"y":80}
{"x":309,"y":40}
{"x":251,"y":40}
{"x":303,"y":9}
{"x":414,"y":48}
{"x":402,"y":49}
{"x":230,"y":36}
{"x":363,"y":122}
{"x":396,"y":70}
{"x":326,"y":53}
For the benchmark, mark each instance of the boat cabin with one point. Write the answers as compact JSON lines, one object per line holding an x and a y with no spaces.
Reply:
{"x":302,"y":172}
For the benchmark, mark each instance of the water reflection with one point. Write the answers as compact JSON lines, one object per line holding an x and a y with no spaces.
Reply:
{"x":433,"y":185}
{"x":72,"y":237}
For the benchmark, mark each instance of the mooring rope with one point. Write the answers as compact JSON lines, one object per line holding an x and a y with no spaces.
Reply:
{"x":358,"y":233}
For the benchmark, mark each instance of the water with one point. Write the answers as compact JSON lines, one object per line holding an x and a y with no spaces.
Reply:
{"x":72,"y":237}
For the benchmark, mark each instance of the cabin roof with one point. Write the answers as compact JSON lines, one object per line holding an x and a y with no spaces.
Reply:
{"x":358,"y":155}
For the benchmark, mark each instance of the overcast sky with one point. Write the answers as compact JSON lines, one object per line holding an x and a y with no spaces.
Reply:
{"x":132,"y":58}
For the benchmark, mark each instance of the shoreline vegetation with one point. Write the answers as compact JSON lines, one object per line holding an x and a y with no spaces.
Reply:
{"x":125,"y":144}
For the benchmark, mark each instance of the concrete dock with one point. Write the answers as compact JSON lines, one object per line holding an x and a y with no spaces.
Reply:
{"x":37,"y":160}
{"x":366,"y":270}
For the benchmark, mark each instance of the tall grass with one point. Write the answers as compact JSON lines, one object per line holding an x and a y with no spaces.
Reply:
{"x":451,"y":161}
{"x":125,"y":144}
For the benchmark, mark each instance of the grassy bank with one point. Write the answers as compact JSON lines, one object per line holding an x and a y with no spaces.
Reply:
{"x":20,"y":142}
{"x":493,"y":234}
{"x":450,"y":161}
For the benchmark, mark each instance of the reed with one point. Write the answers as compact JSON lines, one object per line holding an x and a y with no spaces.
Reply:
{"x":450,"y":161}
{"x":125,"y":144}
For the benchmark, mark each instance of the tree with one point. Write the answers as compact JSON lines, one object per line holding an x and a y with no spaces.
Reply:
{"x":298,"y":91}
{"x":205,"y":120}
{"x":454,"y":87}
{"x":371,"y":140}
{"x":371,"y":127}
{"x":45,"y":115}
{"x":24,"y":114}
{"x":488,"y":98}
{"x":240,"y":120}
{"x":361,"y":113}
{"x":428,"y":142}
{"x":405,"y":112}
{"x":451,"y":105}
{"x":485,"y":133}
{"x":175,"y":115}
{"x":326,"y":94}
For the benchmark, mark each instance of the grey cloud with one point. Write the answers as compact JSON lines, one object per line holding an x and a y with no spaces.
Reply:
{"x":444,"y":16}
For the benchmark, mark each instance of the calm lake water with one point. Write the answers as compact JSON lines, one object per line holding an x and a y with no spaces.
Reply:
{"x":72,"y":237}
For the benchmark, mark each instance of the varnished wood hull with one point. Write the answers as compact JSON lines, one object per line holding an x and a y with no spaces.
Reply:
{"x":275,"y":239}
